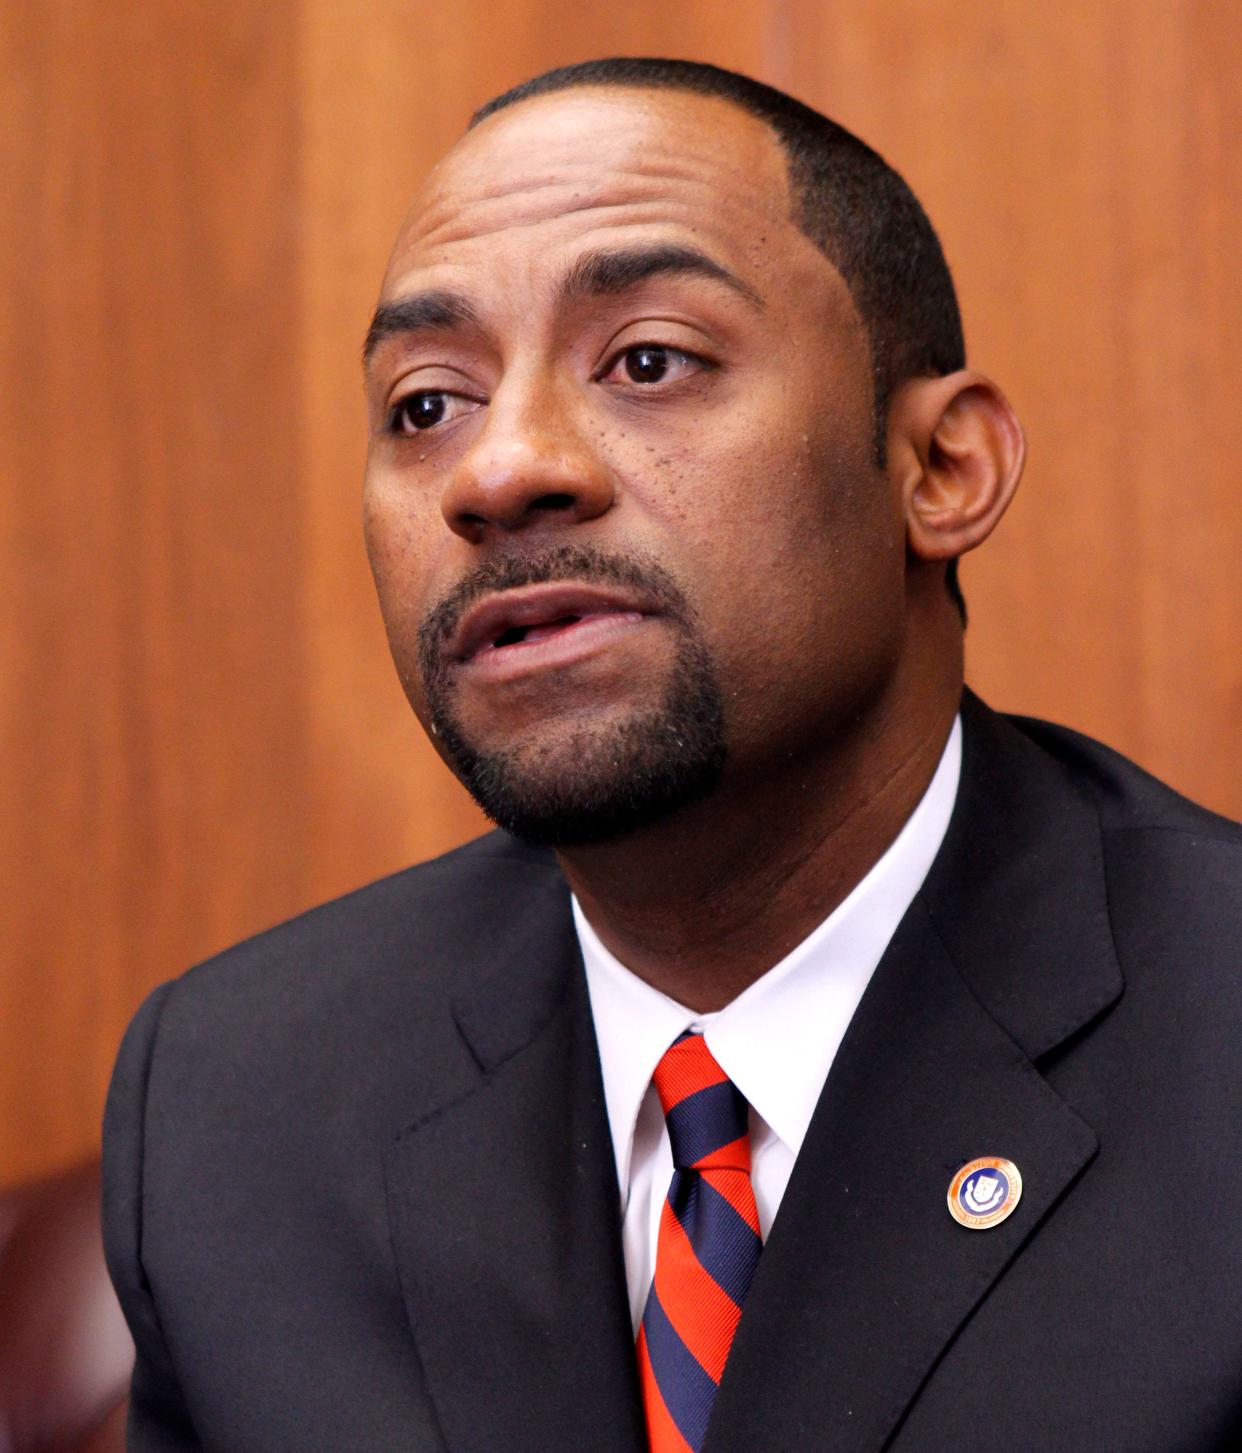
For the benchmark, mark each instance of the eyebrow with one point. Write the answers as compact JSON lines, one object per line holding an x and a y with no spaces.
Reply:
{"x":418,"y":313}
{"x":614,"y":270}
{"x":596,"y":274}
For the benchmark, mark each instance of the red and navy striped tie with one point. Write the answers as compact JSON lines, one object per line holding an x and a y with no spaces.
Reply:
{"x":707,"y":1250}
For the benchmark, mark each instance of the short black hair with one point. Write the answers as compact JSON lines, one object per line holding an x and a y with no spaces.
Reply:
{"x":856,"y":209}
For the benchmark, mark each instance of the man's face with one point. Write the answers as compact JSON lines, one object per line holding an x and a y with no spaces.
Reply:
{"x":629,"y":539}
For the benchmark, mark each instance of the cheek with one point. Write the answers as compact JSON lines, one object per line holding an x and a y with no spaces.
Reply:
{"x":798,"y":565}
{"x":401,"y":548}
{"x":780,"y":509}
{"x":399,"y":528}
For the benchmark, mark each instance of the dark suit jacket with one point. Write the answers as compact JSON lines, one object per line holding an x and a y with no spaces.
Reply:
{"x":360,"y":1188}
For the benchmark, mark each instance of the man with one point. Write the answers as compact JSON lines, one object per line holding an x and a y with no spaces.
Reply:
{"x":817,"y":1060}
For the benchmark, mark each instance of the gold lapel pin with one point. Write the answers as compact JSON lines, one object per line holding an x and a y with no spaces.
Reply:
{"x":984,"y":1192}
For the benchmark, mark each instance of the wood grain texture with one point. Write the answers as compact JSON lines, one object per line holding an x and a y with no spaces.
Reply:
{"x":201,"y":729}
{"x":154,"y":694}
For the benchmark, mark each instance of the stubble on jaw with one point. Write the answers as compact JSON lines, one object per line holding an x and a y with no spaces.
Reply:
{"x":593,"y":780}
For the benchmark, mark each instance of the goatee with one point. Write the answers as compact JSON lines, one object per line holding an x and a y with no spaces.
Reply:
{"x":604,"y":778}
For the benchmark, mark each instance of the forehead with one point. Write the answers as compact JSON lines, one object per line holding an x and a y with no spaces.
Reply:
{"x":593,"y":162}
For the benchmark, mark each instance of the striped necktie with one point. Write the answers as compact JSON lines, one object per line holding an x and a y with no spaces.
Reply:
{"x":707,"y":1248}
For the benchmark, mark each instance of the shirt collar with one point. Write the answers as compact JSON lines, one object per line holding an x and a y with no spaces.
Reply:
{"x":776,"y":1041}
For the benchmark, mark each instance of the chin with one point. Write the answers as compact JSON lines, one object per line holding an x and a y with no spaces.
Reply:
{"x":592,"y":781}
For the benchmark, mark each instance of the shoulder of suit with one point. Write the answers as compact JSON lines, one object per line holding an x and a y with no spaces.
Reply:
{"x":1129,"y":799}
{"x":423,"y":929}
{"x":1173,"y":868}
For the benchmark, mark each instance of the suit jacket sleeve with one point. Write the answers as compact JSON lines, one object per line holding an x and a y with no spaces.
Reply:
{"x":158,"y":1419}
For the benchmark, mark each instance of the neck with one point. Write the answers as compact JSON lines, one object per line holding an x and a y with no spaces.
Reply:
{"x":703,"y":903}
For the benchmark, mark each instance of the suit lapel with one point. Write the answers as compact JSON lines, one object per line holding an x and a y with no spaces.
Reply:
{"x":866,"y":1278}
{"x":504,"y":1211}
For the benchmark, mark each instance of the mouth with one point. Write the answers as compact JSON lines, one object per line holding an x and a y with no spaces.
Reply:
{"x":549,"y":622}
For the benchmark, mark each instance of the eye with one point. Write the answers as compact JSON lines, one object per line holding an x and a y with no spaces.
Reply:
{"x":427,"y":408}
{"x":648,"y":363}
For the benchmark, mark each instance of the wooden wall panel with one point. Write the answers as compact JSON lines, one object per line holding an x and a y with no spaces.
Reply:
{"x":201,"y":728}
{"x":153,"y":687}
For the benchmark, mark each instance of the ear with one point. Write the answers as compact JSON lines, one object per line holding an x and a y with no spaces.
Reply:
{"x":956,"y":450}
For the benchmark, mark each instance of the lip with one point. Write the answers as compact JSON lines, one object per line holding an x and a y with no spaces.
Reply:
{"x":591,"y":613}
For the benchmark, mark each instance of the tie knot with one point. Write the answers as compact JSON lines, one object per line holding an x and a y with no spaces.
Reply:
{"x":705,"y":1112}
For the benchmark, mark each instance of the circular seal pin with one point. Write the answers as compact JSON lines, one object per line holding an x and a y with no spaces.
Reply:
{"x":984,"y":1192}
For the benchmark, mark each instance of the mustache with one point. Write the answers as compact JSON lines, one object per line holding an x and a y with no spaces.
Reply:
{"x":557,"y":563}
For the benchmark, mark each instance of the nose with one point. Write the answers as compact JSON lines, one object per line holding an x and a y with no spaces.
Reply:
{"x":531,"y":464}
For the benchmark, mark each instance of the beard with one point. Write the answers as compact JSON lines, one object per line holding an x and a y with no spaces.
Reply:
{"x":603,"y":778}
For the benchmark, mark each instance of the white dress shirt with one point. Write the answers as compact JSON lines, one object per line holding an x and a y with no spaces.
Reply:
{"x":776,"y":1041}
